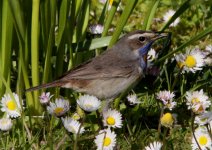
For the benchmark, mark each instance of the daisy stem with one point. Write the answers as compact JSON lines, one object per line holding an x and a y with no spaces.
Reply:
{"x":164,"y":138}
{"x":99,"y":119}
{"x":159,"y":124}
{"x":192,"y":129}
{"x":75,"y":142}
{"x":176,"y":79}
{"x":209,"y":130}
{"x":167,"y":77}
{"x":78,"y":132}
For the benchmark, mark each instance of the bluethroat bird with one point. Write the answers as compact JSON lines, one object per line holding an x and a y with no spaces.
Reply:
{"x":114,"y":71}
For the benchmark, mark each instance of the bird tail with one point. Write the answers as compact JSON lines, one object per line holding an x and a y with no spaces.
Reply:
{"x":44,"y":86}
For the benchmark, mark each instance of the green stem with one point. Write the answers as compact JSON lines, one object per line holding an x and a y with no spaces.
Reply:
{"x":192,"y":129}
{"x":150,"y":14}
{"x":50,"y":41}
{"x":159,"y":124}
{"x":110,"y":17}
{"x":34,"y":51}
{"x":6,"y":43}
{"x":122,"y":21}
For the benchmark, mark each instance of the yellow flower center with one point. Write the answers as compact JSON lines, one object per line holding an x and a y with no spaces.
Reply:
{"x":11,"y":105}
{"x":88,"y":105}
{"x":167,"y":120}
{"x":110,"y":2}
{"x":190,"y":61}
{"x":107,"y":141}
{"x":195,"y":100}
{"x":76,"y":117}
{"x":110,"y":120}
{"x":4,"y":122}
{"x":58,"y":110}
{"x":203,"y":140}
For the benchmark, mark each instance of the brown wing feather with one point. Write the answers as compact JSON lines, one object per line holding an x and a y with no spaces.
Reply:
{"x":101,"y":67}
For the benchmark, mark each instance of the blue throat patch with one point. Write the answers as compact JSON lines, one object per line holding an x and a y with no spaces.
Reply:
{"x":142,"y":52}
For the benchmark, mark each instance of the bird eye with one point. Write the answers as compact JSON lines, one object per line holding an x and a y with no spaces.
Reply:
{"x":142,"y":38}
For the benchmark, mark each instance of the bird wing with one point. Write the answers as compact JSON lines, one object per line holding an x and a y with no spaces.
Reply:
{"x":102,"y":67}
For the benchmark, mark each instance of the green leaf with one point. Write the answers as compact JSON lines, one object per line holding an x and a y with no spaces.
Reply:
{"x":150,"y":14}
{"x":122,"y":21}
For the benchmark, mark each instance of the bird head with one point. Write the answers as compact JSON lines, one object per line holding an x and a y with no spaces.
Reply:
{"x":137,"y":44}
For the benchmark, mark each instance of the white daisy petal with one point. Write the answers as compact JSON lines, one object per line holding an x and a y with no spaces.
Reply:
{"x":112,"y":118}
{"x":89,"y":103}
{"x":151,"y":57}
{"x":72,"y":125}
{"x":132,"y":98}
{"x":165,"y":96}
{"x":206,"y":116}
{"x":59,"y":108}
{"x":105,"y":140}
{"x":11,"y":107}
{"x":208,"y":49}
{"x":154,"y":146}
{"x":168,"y":16}
{"x":5,"y":124}
{"x":96,"y":29}
{"x":208,"y":55}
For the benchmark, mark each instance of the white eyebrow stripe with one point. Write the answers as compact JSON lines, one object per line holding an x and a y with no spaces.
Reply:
{"x":138,"y":35}
{"x":134,"y":36}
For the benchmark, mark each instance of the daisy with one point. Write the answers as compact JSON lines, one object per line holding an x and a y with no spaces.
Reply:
{"x":200,"y":121}
{"x":192,"y":61}
{"x":133,"y":99}
{"x":208,"y":53}
{"x":197,"y":101}
{"x":202,"y":138}
{"x":166,"y":97}
{"x":206,"y":116}
{"x":45,"y":98}
{"x":154,"y":146}
{"x":59,"y":108}
{"x":112,"y":118}
{"x":208,"y":61}
{"x":151,"y":56}
{"x":96,"y":29}
{"x":105,"y":140}
{"x":180,"y":58}
{"x":5,"y":124}
{"x":72,"y":125}
{"x":110,"y":3}
{"x":11,"y":106}
{"x":167,"y":120}
{"x":168,"y":15}
{"x":89,"y":103}
{"x":208,"y":49}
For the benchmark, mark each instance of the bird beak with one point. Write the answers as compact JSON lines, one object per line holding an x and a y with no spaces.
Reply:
{"x":159,"y":36}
